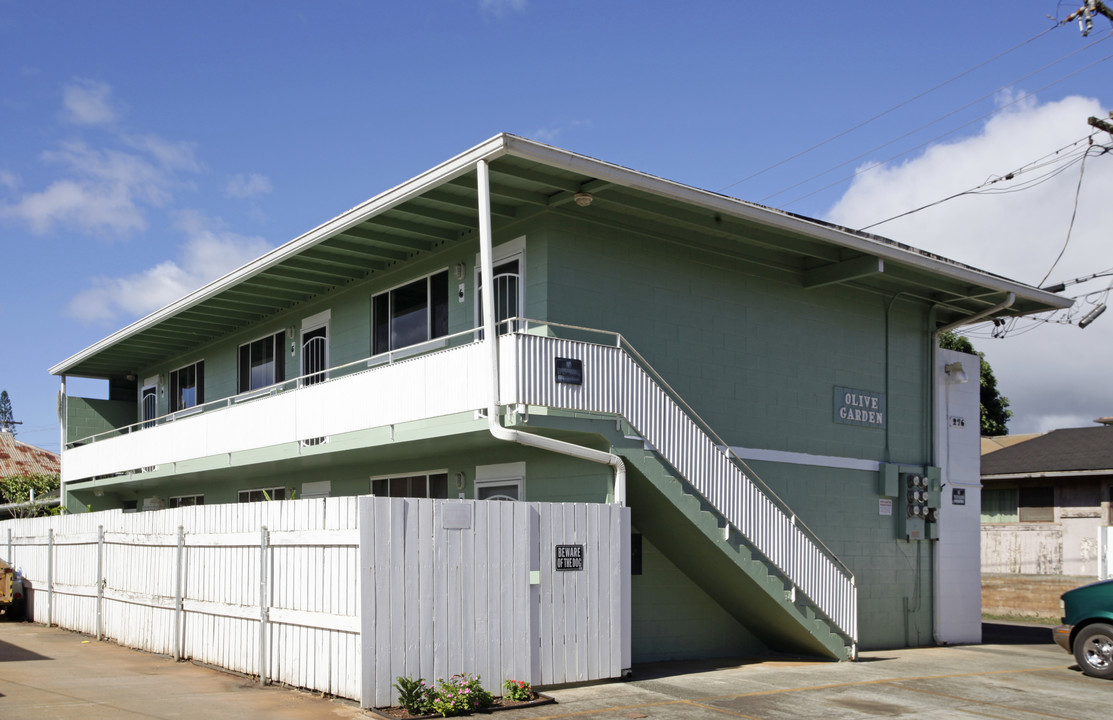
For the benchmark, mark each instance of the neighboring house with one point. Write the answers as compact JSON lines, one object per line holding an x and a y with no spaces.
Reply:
{"x":1045,"y":518}
{"x":657,"y":345}
{"x":19,"y":458}
{"x":1044,"y":500}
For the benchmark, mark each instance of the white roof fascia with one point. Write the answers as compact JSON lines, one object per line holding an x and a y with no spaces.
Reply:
{"x":445,"y":172}
{"x":563,"y":159}
{"x":1049,"y":474}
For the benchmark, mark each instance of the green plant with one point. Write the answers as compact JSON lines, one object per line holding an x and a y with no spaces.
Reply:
{"x":517,"y":690}
{"x":459,"y":695}
{"x":414,"y":696}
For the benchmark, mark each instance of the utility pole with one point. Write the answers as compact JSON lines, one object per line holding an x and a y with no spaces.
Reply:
{"x":1101,"y":124}
{"x":1085,"y":15}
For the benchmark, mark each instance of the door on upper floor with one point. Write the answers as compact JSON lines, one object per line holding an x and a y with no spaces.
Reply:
{"x":314,"y":348}
{"x":508,"y":262}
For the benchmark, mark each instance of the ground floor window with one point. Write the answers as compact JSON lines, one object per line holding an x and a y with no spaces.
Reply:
{"x":505,"y":481}
{"x":263,"y":494}
{"x":186,"y":501}
{"x":1026,"y":504}
{"x":498,"y":490}
{"x":423,"y":485}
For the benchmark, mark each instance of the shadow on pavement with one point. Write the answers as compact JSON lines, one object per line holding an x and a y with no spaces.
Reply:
{"x":14,"y":653}
{"x":994,"y":633}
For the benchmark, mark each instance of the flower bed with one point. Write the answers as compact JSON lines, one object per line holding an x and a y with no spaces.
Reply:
{"x":459,"y":695}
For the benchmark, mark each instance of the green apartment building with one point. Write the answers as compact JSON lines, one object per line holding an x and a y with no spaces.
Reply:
{"x":763,"y":390}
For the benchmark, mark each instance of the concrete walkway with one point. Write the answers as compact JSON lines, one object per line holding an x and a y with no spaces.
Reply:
{"x":1018,"y":674}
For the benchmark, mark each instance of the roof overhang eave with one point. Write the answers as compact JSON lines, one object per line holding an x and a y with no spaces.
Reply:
{"x":443,"y":173}
{"x":781,"y":220}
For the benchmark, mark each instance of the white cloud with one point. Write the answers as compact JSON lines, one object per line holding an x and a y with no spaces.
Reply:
{"x":550,"y":133}
{"x":500,"y":8}
{"x":9,"y":180}
{"x":209,"y":251}
{"x":1055,"y":375}
{"x":105,"y":191}
{"x":246,"y":186}
{"x":88,"y":102}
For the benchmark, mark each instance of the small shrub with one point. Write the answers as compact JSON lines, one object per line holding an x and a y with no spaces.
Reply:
{"x":414,"y":696}
{"x":517,"y":691}
{"x":459,"y":695}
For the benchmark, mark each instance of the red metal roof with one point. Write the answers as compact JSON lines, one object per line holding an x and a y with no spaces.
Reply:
{"x":19,"y":458}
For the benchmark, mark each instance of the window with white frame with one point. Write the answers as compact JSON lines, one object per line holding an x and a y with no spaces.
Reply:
{"x":262,"y":494}
{"x":187,"y":386}
{"x":421,"y":485}
{"x":505,"y":481}
{"x":262,"y":362}
{"x":185,"y":501}
{"x":410,"y":314}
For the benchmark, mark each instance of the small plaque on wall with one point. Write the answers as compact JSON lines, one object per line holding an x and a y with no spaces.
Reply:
{"x":570,"y":371}
{"x":958,"y":496}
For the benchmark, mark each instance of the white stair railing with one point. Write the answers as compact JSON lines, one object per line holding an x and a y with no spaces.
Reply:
{"x":617,"y":381}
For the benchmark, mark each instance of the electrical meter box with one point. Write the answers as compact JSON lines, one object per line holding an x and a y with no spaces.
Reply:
{"x":918,"y":505}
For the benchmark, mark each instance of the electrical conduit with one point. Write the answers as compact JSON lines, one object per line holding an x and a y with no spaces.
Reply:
{"x":490,"y":339}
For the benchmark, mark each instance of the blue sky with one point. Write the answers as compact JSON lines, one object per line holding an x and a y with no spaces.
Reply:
{"x":149,"y":147}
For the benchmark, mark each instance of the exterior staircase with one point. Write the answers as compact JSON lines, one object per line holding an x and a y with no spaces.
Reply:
{"x":687,"y":491}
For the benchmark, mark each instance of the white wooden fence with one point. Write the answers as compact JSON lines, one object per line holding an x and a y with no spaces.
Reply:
{"x":342,"y":595}
{"x":508,"y":610}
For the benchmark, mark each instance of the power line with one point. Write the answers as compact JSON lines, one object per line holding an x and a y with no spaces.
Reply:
{"x":937,"y":137}
{"x":1073,"y":215}
{"x":939,"y":119}
{"x":892,"y":109}
{"x":1070,"y":160}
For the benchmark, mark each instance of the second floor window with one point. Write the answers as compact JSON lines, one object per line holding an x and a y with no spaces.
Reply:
{"x":262,"y":362}
{"x":187,"y":386}
{"x":410,"y":314}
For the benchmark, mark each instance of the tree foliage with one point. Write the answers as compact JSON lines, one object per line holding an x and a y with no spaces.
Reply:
{"x":995,"y":406}
{"x":18,"y":488}
{"x":6,"y":417}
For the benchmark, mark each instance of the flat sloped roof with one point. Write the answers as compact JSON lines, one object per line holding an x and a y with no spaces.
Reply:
{"x":439,"y":208}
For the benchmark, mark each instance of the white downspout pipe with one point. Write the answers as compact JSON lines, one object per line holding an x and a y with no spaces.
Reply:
{"x":937,"y":450}
{"x":490,"y":339}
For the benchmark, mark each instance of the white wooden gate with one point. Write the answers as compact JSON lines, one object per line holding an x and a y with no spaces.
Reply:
{"x":503,"y":590}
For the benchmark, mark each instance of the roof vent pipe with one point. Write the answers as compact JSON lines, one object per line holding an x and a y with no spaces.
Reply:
{"x":490,"y":339}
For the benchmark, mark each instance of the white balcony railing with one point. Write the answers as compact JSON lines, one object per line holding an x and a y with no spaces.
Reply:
{"x":391,"y":391}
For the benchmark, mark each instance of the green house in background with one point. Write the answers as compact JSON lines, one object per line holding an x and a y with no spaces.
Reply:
{"x":762,"y":389}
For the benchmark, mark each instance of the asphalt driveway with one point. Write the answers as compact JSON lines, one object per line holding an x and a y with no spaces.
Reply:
{"x":1019,"y":673}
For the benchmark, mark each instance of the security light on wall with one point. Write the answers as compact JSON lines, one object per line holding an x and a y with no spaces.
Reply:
{"x":955,"y":373}
{"x":461,"y":268}
{"x":459,"y":481}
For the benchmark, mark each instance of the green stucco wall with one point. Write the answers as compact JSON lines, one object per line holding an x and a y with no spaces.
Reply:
{"x":748,"y":347}
{"x":90,"y":416}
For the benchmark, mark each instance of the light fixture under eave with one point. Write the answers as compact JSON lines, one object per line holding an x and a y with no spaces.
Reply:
{"x":583,"y":199}
{"x":1091,"y":316}
{"x":955,"y":373}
